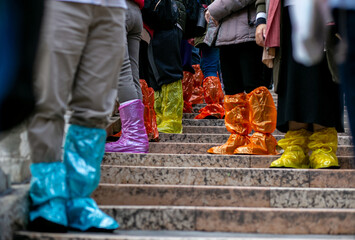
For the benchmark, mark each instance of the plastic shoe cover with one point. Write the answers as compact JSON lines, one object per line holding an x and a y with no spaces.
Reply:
{"x":237,"y":114}
{"x":295,"y":145}
{"x":260,"y":144}
{"x":150,"y":120}
{"x":172,"y":108}
{"x":48,"y":192}
{"x":293,"y":157}
{"x":197,"y":92}
{"x":234,"y":141}
{"x":187,"y":88}
{"x":134,"y":137}
{"x":263,"y":113}
{"x":324,"y":144}
{"x":84,"y":214}
{"x":212,"y":90}
{"x":83,"y":151}
{"x":215,"y":110}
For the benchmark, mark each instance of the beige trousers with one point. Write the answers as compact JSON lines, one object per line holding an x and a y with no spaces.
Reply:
{"x":80,"y":54}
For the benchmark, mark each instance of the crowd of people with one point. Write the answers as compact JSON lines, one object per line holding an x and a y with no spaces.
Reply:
{"x":89,"y":54}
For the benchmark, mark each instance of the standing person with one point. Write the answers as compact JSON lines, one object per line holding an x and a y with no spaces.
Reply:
{"x":134,"y":136}
{"x":242,"y":72}
{"x":79,"y":57}
{"x":166,"y":44}
{"x":310,"y":109}
{"x":345,"y":19}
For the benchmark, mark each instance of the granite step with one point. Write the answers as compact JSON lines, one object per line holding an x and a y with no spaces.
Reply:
{"x":219,"y":122}
{"x":201,"y":148}
{"x":222,"y":138}
{"x":235,"y":219}
{"x":223,"y":196}
{"x":257,"y":177}
{"x":201,"y":160}
{"x":174,"y":235}
{"x":223,"y":130}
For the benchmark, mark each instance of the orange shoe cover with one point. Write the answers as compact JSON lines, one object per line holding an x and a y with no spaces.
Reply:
{"x":216,"y":110}
{"x":260,"y":144}
{"x":234,"y":141}
{"x":263,"y":114}
{"x":187,"y":88}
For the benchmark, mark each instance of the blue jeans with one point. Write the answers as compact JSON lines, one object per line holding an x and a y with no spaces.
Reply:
{"x":209,"y":61}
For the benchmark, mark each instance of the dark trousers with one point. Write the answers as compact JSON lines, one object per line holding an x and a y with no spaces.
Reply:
{"x":346,"y":21}
{"x":242,"y":68}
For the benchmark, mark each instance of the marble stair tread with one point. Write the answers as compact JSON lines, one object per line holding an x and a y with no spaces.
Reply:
{"x":219,"y":122}
{"x":223,"y":130}
{"x":258,"y":177}
{"x":173,"y":235}
{"x":202,"y":160}
{"x":222,"y":138}
{"x":201,"y":148}
{"x":227,"y":196}
{"x":235,"y":219}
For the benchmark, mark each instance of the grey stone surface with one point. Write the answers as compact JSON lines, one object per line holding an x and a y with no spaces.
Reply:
{"x":15,"y":154}
{"x":13,"y":211}
{"x":4,"y":182}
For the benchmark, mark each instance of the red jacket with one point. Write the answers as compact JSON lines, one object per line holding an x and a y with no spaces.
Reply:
{"x":140,"y":3}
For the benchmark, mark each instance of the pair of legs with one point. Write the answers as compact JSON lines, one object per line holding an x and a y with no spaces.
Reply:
{"x":310,"y":110}
{"x":79,"y":56}
{"x":242,"y":68}
{"x":134,"y":137}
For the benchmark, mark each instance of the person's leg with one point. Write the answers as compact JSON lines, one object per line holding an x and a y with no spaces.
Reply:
{"x":230,"y":67}
{"x":128,"y":85}
{"x":209,"y":60}
{"x":253,"y":70}
{"x":133,"y":134}
{"x":92,"y":101}
{"x":63,"y":39}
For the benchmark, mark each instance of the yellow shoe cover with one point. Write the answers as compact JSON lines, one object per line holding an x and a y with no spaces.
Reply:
{"x":234,"y":141}
{"x":293,"y":157}
{"x":172,"y":105}
{"x":324,"y":144}
{"x":295,"y":145}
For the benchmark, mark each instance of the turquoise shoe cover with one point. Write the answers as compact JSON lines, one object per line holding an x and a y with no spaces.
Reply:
{"x":83,"y":152}
{"x":48,"y":192}
{"x":84,"y":214}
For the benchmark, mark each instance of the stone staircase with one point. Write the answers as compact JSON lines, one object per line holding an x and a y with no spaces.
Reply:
{"x":178,"y":191}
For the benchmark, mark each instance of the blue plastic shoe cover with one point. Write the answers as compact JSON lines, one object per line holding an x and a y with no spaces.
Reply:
{"x":48,"y":192}
{"x":83,"y":152}
{"x":83,"y":213}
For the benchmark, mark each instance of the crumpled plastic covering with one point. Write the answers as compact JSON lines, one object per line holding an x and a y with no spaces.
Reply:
{"x":237,"y":123}
{"x":237,"y":114}
{"x":84,"y":214}
{"x":134,"y":137}
{"x":213,"y":94}
{"x":324,"y":144}
{"x":197,"y":92}
{"x":150,"y":119}
{"x":260,"y":144}
{"x":295,"y":145}
{"x":262,"y":116}
{"x":83,"y":152}
{"x":212,"y":90}
{"x":215,"y":110}
{"x":263,"y":113}
{"x":234,"y":141}
{"x":168,"y":107}
{"x":48,"y":192}
{"x":187,"y":88}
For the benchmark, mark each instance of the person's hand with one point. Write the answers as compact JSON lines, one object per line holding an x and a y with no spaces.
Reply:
{"x":260,"y":35}
{"x":208,"y":17}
